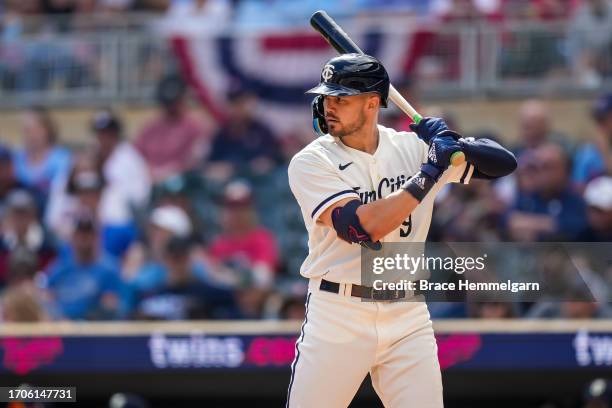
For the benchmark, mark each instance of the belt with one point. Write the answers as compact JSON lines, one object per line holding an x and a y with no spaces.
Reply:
{"x":364,"y":292}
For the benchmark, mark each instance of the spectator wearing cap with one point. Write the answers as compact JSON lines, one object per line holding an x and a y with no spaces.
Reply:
{"x":145,"y":268}
{"x":242,"y":239}
{"x":243,"y":145}
{"x":122,"y":164}
{"x":174,"y":141}
{"x":551,"y":210}
{"x":40,"y":160}
{"x":140,"y":263}
{"x":181,"y":294}
{"x":598,"y":197}
{"x":22,"y":230}
{"x":85,"y":188}
{"x":84,"y":282}
{"x":595,"y":158}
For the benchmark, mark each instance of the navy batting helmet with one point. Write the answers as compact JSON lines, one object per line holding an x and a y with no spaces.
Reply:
{"x":353,"y":74}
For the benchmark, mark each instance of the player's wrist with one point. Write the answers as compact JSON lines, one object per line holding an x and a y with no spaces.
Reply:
{"x":421,"y":183}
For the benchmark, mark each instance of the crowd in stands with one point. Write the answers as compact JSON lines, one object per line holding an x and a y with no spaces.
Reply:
{"x":181,"y":221}
{"x":579,"y":50}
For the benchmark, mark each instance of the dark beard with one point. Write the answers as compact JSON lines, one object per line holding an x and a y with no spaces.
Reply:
{"x":350,"y":130}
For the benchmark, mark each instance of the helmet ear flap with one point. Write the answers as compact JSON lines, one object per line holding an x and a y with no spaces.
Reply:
{"x":318,"y":116}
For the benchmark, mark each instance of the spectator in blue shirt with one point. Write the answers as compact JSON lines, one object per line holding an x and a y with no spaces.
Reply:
{"x":180,"y":291}
{"x":552,"y":210}
{"x":590,"y":159}
{"x":84,"y":282}
{"x":41,"y":159}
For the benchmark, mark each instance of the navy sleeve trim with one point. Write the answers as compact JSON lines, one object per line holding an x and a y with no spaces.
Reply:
{"x":328,"y":199}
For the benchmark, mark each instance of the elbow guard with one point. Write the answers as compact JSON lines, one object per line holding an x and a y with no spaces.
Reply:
{"x":489,"y":157}
{"x":349,"y":229}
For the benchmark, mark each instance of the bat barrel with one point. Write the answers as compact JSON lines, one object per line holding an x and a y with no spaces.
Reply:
{"x":333,"y":34}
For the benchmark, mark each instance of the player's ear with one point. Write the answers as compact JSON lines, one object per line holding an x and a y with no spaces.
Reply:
{"x":373,"y":102}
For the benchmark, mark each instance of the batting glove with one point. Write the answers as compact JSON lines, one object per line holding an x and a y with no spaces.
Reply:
{"x":438,"y":160}
{"x":429,"y":128}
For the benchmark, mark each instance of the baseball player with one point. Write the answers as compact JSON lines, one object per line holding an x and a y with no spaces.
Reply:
{"x":360,"y":183}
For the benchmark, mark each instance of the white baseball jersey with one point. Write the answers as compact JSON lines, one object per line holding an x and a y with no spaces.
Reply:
{"x":327,"y":171}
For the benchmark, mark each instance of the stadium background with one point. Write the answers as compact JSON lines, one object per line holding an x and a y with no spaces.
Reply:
{"x":144,"y":146}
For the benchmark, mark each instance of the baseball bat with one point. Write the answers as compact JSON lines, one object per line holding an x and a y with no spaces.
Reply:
{"x":340,"y":40}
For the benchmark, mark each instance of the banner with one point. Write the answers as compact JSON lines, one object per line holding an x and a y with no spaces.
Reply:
{"x":279,"y":66}
{"x":581,"y":349}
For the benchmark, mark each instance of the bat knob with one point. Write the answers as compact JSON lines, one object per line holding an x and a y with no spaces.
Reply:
{"x":457,"y":158}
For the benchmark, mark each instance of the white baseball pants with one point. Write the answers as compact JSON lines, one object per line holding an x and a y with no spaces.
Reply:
{"x":343,"y":338}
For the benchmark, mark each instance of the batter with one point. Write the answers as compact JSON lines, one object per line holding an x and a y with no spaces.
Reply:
{"x":360,"y":183}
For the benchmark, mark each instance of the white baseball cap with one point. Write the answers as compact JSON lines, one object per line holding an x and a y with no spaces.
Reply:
{"x":598,"y":193}
{"x":173,"y":219}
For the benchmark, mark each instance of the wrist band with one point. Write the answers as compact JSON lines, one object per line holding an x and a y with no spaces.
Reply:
{"x":419,"y":185}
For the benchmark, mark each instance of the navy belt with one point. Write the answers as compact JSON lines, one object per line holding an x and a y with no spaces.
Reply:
{"x":363,"y":292}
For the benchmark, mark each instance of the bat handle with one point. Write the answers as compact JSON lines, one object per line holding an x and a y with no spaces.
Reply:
{"x":457,"y":158}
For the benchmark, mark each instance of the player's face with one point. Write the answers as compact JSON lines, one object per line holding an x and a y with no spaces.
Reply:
{"x":346,"y":114}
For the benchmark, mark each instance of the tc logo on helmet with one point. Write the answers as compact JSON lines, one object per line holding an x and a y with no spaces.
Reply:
{"x":328,"y":72}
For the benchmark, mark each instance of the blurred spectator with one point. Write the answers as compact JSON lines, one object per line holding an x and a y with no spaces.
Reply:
{"x":243,"y":243}
{"x":21,"y":229}
{"x":165,"y":222}
{"x":85,"y":189}
{"x":548,"y":10}
{"x":58,"y":6}
{"x":592,"y":159}
{"x":551,"y":211}
{"x":20,"y":304}
{"x":181,"y":294}
{"x":84,"y":281}
{"x":174,"y":141}
{"x":292,"y":308}
{"x":114,"y":6}
{"x":123,"y":167}
{"x":492,"y":310}
{"x":535,"y":128}
{"x":212,"y":13}
{"x":570,"y":310}
{"x":466,"y":10}
{"x":472,"y":213}
{"x":598,"y":197}
{"x":243,"y":145}
{"x":9,"y":183}
{"x":92,"y":194}
{"x":186,"y":191}
{"x":41,"y":159}
{"x":22,"y":300}
{"x":535,"y":50}
{"x":590,"y":41}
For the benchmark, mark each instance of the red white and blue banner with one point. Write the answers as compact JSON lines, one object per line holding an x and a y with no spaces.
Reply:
{"x":280,"y":65}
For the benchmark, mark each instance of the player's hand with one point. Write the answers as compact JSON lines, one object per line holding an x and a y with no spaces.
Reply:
{"x":439,"y":155}
{"x":429,"y":128}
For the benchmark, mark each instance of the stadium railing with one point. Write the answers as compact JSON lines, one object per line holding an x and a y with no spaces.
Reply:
{"x":121,"y":60}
